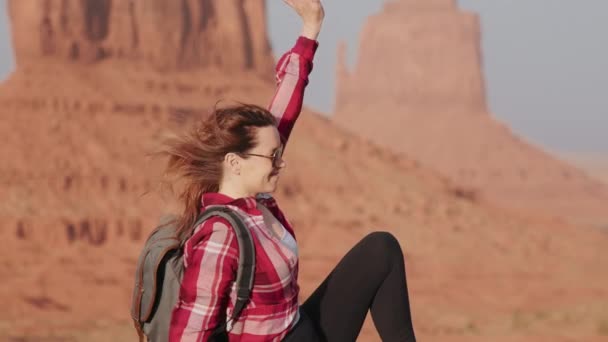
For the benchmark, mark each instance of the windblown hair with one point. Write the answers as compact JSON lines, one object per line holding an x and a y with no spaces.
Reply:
{"x":195,"y":158}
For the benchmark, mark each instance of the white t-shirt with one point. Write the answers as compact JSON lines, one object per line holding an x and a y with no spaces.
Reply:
{"x":288,"y":241}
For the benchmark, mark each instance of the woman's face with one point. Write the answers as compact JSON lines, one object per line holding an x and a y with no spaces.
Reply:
{"x":259,"y":175}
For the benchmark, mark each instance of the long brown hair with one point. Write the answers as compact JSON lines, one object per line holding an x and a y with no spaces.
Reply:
{"x":195,"y":158}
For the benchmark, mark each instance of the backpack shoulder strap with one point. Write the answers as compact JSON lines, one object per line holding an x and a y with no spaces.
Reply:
{"x":246,"y":269}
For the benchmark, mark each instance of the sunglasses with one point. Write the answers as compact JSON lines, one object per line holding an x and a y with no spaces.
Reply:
{"x":276,"y":157}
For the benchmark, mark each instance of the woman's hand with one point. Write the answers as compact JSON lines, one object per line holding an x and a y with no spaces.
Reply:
{"x":312,"y":14}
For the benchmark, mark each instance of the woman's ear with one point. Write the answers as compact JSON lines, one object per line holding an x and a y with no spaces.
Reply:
{"x":232,"y":161}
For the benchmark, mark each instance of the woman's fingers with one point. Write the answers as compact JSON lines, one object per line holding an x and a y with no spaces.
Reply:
{"x":312,"y":14}
{"x":311,"y":11}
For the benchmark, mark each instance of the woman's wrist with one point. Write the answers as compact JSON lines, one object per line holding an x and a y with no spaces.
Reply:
{"x":311,"y":31}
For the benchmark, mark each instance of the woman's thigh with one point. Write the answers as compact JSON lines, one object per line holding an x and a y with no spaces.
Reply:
{"x":338,"y":307}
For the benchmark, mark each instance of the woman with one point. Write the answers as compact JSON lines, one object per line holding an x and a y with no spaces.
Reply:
{"x":234,"y":159}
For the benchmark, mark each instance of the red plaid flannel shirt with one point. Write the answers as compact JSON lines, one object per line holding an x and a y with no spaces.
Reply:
{"x":207,"y":294}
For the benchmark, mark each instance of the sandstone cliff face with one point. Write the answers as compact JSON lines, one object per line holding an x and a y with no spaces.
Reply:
{"x":418,"y":88}
{"x":422,"y":55}
{"x":78,"y":195}
{"x":181,"y":34}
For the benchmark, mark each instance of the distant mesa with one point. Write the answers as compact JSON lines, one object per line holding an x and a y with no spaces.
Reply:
{"x":418,"y":88}
{"x":99,"y":82}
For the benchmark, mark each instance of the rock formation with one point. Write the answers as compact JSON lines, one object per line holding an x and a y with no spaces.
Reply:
{"x":78,"y":193}
{"x":423,"y":55}
{"x":176,"y":35}
{"x":417,"y":88}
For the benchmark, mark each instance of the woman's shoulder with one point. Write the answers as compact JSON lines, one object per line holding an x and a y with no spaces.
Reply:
{"x":215,"y":238}
{"x":215,"y":225}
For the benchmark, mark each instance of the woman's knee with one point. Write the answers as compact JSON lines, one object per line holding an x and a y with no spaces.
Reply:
{"x":384,"y":244}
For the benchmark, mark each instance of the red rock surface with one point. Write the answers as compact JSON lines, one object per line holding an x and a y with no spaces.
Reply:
{"x":79,"y":194}
{"x":175,"y":35}
{"x":595,"y":164}
{"x":417,"y":88}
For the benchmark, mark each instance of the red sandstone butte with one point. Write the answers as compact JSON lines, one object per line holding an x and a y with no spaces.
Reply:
{"x":417,"y":88}
{"x":175,"y":35}
{"x":78,"y":194}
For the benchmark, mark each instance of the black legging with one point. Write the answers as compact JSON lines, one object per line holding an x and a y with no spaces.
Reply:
{"x":371,"y":276}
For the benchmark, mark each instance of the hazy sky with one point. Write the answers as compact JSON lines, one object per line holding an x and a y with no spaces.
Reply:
{"x":545,"y":63}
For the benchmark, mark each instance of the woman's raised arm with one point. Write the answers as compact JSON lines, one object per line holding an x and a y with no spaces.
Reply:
{"x":294,"y":67}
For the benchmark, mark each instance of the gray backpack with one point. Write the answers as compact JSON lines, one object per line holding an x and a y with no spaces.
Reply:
{"x":160,"y":270}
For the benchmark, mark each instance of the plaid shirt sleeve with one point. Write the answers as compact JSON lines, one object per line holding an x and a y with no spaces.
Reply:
{"x":211,"y":262}
{"x":292,"y":72}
